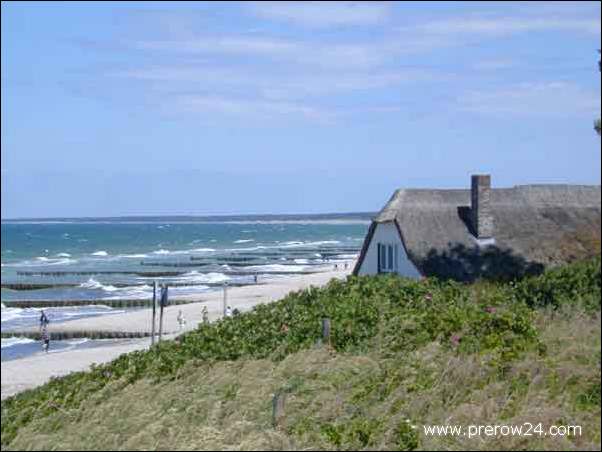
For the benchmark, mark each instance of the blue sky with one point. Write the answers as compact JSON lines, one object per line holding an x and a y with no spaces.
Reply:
{"x":225,"y":108}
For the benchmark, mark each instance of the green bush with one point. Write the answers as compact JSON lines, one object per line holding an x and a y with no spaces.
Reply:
{"x":576,"y":285}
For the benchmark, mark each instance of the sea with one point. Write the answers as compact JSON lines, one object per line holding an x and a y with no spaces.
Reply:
{"x":93,"y":260}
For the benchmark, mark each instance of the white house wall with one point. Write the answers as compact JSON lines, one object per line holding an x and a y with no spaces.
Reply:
{"x":387,"y":233}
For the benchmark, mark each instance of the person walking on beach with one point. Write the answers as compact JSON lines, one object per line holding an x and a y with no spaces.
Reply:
{"x":205,"y":314}
{"x":228,"y":311}
{"x":45,"y":338}
{"x":43,"y":319}
{"x":181,"y":320}
{"x":255,"y":278}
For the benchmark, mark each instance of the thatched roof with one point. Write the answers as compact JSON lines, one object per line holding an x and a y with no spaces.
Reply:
{"x":535,"y":226}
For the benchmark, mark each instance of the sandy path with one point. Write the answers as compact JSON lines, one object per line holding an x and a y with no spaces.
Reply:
{"x":20,"y":374}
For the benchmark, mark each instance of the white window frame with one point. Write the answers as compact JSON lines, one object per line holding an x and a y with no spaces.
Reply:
{"x":389,"y":257}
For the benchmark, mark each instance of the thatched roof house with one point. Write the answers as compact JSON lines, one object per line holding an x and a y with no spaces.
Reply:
{"x":482,"y":232}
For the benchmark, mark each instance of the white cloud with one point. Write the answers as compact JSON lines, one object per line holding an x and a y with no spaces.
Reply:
{"x":323,"y":14}
{"x":276,"y":86}
{"x":262,"y":74}
{"x":301,"y":52}
{"x":224,"y":45}
{"x":503,"y":26}
{"x":494,"y":65}
{"x":250,"y":108}
{"x":533,"y":99}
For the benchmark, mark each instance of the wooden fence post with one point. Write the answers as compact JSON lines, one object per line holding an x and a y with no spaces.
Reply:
{"x":326,"y":331}
{"x":278,"y":408}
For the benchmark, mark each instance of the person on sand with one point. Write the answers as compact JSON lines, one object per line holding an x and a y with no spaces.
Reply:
{"x":255,"y":278}
{"x":228,"y":311}
{"x":45,"y":338}
{"x":205,"y":314}
{"x":181,"y":320}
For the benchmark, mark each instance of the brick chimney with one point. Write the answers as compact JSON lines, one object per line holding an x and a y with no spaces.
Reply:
{"x":482,"y":219}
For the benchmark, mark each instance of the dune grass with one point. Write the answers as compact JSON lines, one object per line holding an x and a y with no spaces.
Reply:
{"x":404,"y":354}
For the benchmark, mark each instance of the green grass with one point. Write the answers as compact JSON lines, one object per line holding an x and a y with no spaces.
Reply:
{"x":404,"y":353}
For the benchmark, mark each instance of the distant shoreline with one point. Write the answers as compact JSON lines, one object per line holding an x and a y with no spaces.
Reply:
{"x":325,"y":218}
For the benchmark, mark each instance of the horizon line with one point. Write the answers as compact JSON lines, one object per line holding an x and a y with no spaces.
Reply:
{"x":337,"y":215}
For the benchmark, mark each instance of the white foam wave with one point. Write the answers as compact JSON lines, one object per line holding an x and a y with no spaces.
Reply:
{"x":289,"y":244}
{"x":77,"y":342}
{"x":100,"y":253}
{"x":63,"y":255}
{"x":292,"y":243}
{"x":195,"y":277}
{"x":244,"y":240}
{"x":194,"y":250}
{"x":12,"y":341}
{"x":130,"y":292}
{"x":93,"y":312}
{"x":10,"y":313}
{"x":93,"y":284}
{"x":323,"y":242}
{"x":55,"y":314}
{"x":120,"y":292}
{"x":252,"y":248}
{"x":42,"y":261}
{"x":277,"y":267}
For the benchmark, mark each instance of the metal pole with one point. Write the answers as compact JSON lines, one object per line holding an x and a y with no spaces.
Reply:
{"x":225,"y":298}
{"x":161,"y":314}
{"x":154,"y":312}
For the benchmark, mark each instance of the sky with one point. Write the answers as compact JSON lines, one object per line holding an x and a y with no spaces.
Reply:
{"x":171,"y":108}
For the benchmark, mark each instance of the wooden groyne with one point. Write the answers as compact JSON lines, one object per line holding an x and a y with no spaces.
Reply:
{"x":255,"y":262}
{"x":101,"y":272}
{"x":92,"y":334}
{"x":269,"y":272}
{"x":176,"y":264}
{"x":160,"y":274}
{"x":36,"y":286}
{"x":123,"y":303}
{"x":289,"y":255}
{"x":27,"y":286}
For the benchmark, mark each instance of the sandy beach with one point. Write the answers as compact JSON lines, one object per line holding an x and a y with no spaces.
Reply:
{"x":20,"y":374}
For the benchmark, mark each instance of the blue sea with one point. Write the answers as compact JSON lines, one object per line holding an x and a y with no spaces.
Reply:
{"x":99,"y":259}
